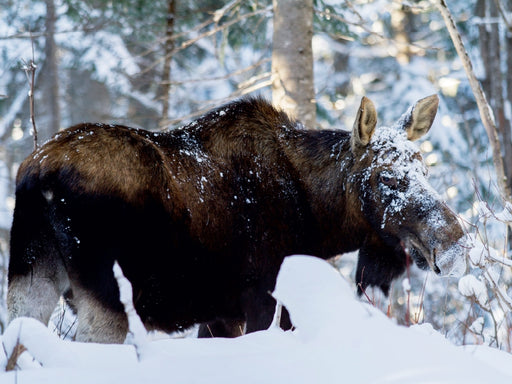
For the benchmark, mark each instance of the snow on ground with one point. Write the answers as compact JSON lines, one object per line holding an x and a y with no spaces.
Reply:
{"x":337,"y":339}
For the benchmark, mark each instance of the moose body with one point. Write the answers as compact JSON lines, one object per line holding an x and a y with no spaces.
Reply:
{"x":200,"y":218}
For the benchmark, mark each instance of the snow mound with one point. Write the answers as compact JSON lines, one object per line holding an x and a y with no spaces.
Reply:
{"x":337,"y":339}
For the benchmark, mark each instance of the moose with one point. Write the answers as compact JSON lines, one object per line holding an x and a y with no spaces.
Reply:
{"x":200,"y":218}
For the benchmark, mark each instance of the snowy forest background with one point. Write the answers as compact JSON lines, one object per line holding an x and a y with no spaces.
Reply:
{"x":127,"y":62}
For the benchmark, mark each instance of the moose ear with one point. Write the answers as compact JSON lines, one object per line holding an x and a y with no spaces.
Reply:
{"x":364,"y":126}
{"x":418,"y":121}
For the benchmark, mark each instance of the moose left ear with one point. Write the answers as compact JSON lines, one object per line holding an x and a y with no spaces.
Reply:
{"x":418,"y":121}
{"x":364,"y":125}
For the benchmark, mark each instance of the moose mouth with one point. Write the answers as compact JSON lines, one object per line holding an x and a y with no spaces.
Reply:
{"x":447,"y":261}
{"x":422,"y":255}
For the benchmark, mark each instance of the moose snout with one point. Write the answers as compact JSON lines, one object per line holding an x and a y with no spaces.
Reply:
{"x":451,"y":261}
{"x":445,"y":240}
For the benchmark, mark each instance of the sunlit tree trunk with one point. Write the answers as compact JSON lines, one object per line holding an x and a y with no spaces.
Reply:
{"x":401,"y":22}
{"x":51,"y":75}
{"x":292,"y":60}
{"x":168,"y":48}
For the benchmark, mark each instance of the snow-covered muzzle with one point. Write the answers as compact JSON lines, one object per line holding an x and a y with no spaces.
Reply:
{"x":401,"y":206}
{"x":442,"y":248}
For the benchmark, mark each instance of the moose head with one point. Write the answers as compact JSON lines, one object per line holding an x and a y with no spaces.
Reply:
{"x":406,"y":215}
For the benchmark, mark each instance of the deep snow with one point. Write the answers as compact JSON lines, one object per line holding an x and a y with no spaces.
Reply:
{"x":337,"y":339}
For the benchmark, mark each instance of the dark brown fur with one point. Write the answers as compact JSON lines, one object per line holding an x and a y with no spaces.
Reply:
{"x":199,"y":218}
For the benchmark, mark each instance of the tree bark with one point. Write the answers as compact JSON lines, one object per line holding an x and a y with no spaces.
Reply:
{"x":51,"y":69}
{"x":490,"y":51}
{"x":401,"y":22}
{"x":508,"y":49}
{"x":166,"y":73}
{"x":497,"y":92}
{"x":293,"y":87}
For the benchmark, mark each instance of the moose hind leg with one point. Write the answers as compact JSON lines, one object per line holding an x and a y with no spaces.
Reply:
{"x":35,"y":287}
{"x":33,"y":295}
{"x":97,"y":321}
{"x":37,"y":275}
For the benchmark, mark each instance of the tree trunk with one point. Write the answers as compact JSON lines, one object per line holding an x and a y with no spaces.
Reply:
{"x":484,"y":43}
{"x":401,"y":22}
{"x":490,"y":51}
{"x":508,"y":49}
{"x":293,"y":87}
{"x":51,"y":68}
{"x":483,"y":106}
{"x":166,"y":73}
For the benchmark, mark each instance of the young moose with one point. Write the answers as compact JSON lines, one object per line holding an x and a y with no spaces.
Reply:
{"x":200,"y":218}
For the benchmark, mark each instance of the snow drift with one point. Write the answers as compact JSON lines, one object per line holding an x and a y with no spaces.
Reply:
{"x":337,"y":339}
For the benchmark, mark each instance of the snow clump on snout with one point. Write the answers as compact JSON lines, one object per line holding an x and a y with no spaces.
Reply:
{"x":452,"y":261}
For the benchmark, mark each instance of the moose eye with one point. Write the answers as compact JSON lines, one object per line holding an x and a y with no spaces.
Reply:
{"x":388,"y":180}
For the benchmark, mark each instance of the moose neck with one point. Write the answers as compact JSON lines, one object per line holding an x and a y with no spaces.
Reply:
{"x":323,"y":160}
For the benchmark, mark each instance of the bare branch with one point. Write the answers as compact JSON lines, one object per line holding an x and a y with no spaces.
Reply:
{"x":35,"y":35}
{"x":30,"y":72}
{"x":361,"y":23}
{"x":211,"y":103}
{"x":504,"y":15}
{"x":203,"y":35}
{"x":224,"y":77}
{"x":13,"y":359}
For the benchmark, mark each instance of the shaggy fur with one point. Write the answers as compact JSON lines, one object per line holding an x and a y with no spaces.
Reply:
{"x":199,"y":219}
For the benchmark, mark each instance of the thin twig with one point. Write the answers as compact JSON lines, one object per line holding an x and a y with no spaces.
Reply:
{"x":238,"y":93}
{"x":224,"y":77}
{"x":363,"y":289}
{"x":504,"y":15}
{"x":408,"y":307}
{"x":208,"y":33}
{"x":361,"y":23}
{"x":13,"y":359}
{"x":15,"y":354}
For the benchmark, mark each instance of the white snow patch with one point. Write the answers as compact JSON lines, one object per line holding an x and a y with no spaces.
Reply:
{"x":406,"y":285}
{"x":477,"y":254}
{"x":477,"y":326}
{"x":337,"y":339}
{"x":137,"y":334}
{"x":470,"y":286}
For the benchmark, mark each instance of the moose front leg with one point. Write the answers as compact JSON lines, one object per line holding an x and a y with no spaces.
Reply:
{"x":222,"y":328}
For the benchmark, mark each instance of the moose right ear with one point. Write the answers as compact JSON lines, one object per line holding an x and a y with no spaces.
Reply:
{"x":364,"y":126}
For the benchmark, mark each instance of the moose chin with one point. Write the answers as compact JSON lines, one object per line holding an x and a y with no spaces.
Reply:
{"x":200,"y":218}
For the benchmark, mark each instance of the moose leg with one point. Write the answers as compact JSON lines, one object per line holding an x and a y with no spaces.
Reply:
{"x":33,"y":295}
{"x":97,"y":322}
{"x":260,"y":314}
{"x":37,"y":276}
{"x":222,"y":328}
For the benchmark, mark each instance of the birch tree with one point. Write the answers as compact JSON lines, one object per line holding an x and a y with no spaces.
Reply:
{"x":293,"y":86}
{"x":50,"y":84}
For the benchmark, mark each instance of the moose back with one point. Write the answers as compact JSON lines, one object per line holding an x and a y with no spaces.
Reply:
{"x":200,"y":218}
